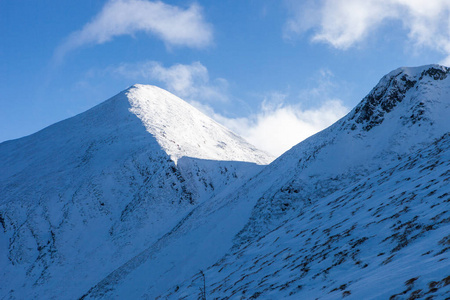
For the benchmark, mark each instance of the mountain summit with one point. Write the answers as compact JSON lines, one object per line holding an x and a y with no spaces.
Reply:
{"x":182,"y":130}
{"x":426,"y":84}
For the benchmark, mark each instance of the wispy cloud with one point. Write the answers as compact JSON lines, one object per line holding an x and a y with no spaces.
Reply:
{"x":345,"y":23}
{"x":174,"y":25}
{"x":190,"y":82}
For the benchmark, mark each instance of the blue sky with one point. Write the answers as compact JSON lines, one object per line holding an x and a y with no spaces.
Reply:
{"x":273,"y":71}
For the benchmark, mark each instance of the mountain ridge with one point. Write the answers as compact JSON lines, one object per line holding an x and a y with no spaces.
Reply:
{"x":359,"y":205}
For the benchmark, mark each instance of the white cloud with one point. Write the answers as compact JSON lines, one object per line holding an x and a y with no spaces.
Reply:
{"x":344,"y":23}
{"x":172,"y":24}
{"x":275,"y":129}
{"x":190,"y":82}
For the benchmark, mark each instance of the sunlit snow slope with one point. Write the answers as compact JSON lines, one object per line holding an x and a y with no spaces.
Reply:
{"x":182,"y":131}
{"x":81,"y":197}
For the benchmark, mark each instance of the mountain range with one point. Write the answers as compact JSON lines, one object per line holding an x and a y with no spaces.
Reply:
{"x":144,"y":197}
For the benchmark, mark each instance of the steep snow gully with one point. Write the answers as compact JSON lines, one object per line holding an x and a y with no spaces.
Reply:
{"x":131,"y":199}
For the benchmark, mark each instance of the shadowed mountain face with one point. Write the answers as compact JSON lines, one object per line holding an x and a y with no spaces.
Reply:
{"x":132,"y":198}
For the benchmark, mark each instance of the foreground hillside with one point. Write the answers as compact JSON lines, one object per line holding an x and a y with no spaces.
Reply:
{"x":386,"y":236}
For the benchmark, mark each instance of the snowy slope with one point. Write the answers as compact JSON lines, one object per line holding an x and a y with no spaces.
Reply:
{"x":81,"y":197}
{"x":386,"y":236}
{"x":359,"y":206}
{"x":360,"y":210}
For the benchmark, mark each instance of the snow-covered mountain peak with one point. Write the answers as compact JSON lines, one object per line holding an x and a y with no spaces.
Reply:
{"x":393,"y":88}
{"x":407,"y":109}
{"x":183,"y":131}
{"x":97,"y":189}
